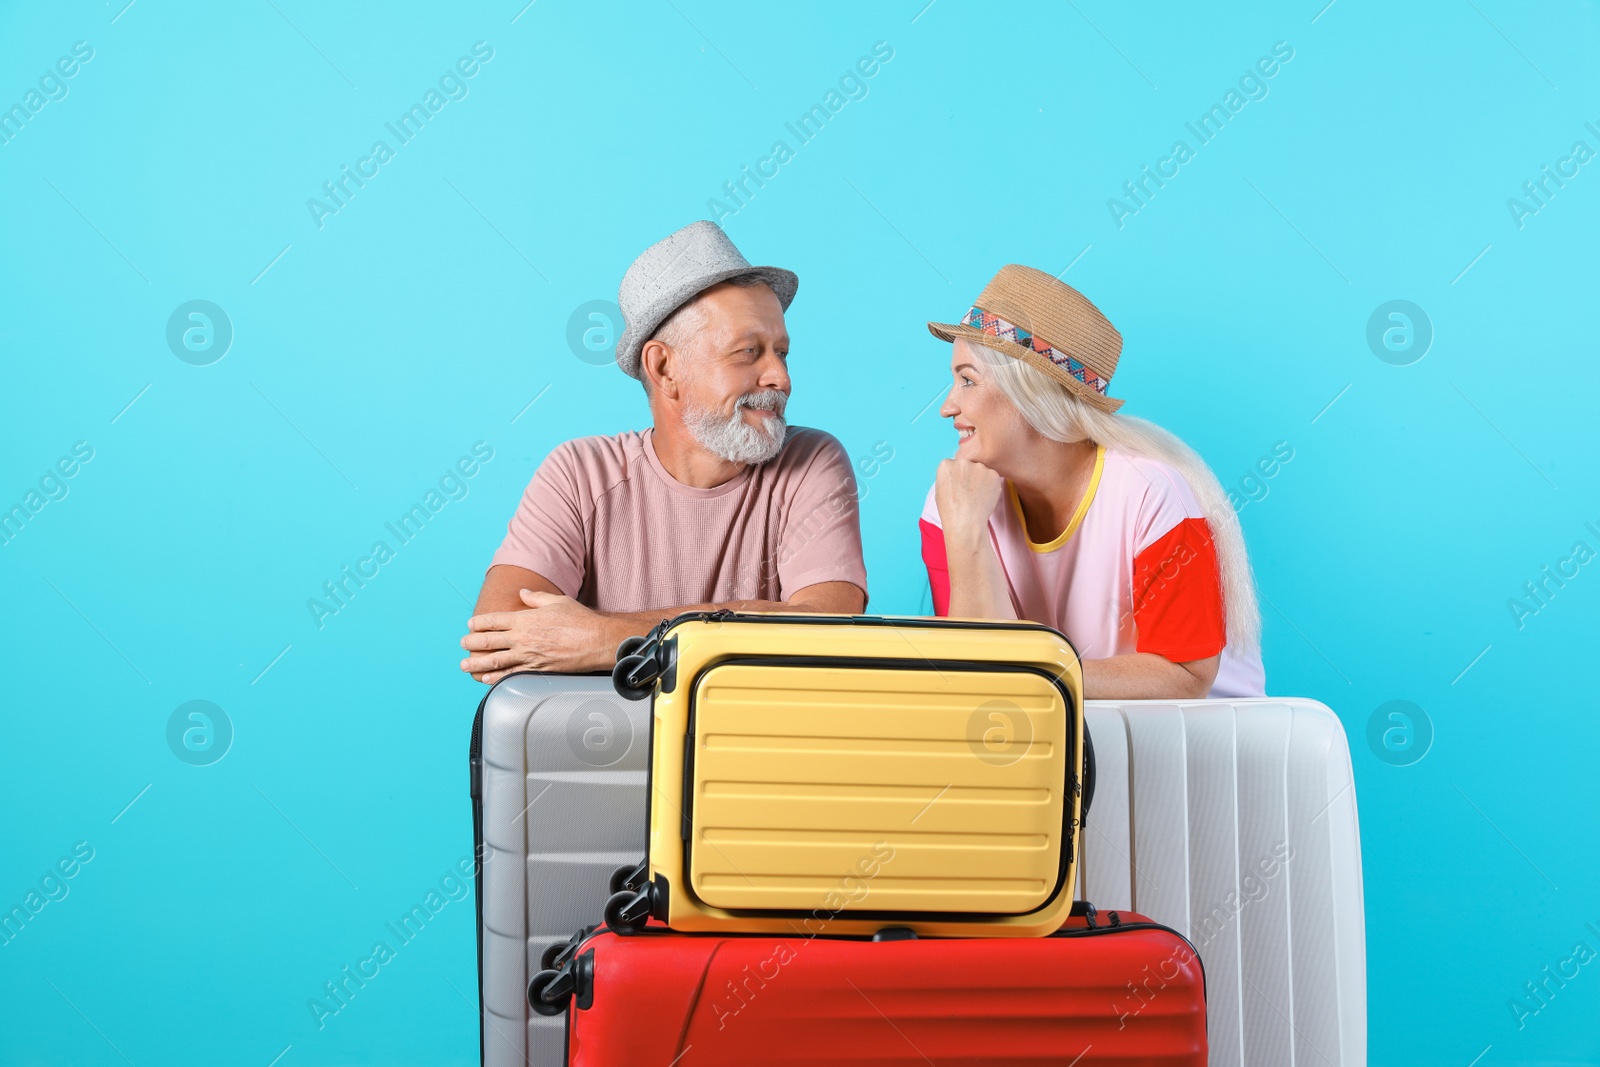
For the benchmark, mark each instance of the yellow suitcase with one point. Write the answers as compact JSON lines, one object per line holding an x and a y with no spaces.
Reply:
{"x":842,"y":774}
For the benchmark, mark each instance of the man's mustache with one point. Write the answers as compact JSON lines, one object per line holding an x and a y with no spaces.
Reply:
{"x":765,"y":400}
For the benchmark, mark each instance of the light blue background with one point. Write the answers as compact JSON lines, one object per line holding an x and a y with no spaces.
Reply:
{"x":433,"y":308}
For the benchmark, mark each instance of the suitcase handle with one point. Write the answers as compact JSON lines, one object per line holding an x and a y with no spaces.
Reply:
{"x":1088,"y":773}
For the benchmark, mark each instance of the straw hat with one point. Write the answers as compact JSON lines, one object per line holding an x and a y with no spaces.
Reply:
{"x":1048,"y":324}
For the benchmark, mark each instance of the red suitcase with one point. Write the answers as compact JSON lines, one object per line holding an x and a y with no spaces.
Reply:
{"x":1124,"y":991}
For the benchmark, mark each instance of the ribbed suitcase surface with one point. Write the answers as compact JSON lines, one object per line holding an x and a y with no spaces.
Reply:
{"x":1124,"y":998}
{"x":1235,"y":823}
{"x":561,"y":783}
{"x":861,"y":768}
{"x":800,"y":772}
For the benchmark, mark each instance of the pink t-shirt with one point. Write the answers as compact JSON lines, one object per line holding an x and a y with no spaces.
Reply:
{"x":1134,"y":571}
{"x":604,"y":521}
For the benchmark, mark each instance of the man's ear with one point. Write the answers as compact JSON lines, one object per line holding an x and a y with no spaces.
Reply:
{"x":658,"y":368}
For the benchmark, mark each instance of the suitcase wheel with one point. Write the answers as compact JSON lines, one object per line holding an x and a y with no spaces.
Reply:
{"x":626,"y":912}
{"x":550,"y":991}
{"x":638,"y":664}
{"x":629,"y":879}
{"x":548,"y":961}
{"x":555,"y":956}
{"x":634,"y":677}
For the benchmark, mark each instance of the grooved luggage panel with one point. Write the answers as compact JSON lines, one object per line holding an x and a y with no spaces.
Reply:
{"x":564,"y":769}
{"x":707,"y":1002}
{"x":1238,"y":827}
{"x":1105,"y":859}
{"x":802,"y":777}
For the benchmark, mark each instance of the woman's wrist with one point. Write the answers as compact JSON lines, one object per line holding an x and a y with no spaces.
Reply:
{"x":965,"y":538}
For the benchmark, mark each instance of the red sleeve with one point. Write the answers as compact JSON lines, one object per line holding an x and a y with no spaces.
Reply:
{"x":1177,"y":595}
{"x":933,"y":557}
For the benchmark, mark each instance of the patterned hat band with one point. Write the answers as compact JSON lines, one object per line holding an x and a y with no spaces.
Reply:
{"x":995,"y":326}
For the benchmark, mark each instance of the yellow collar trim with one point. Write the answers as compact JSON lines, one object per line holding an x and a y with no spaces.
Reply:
{"x":1077,"y":516}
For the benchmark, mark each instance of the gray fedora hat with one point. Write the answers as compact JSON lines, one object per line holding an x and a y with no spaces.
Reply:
{"x":673,"y":271}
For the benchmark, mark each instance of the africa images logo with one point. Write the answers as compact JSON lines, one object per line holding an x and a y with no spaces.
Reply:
{"x":452,"y":85}
{"x":1252,"y":86}
{"x":453,"y":484}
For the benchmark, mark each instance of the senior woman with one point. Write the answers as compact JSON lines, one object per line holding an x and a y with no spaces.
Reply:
{"x":1058,"y":510}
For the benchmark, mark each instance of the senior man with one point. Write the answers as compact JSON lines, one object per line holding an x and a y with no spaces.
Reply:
{"x":719,"y":504}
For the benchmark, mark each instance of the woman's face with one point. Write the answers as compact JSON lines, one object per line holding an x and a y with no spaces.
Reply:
{"x":989,"y":428}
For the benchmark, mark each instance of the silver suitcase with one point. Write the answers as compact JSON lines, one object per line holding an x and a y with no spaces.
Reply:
{"x":558,"y":766}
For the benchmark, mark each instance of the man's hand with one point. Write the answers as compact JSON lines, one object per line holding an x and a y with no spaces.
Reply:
{"x":966,"y":493}
{"x":554,"y":633}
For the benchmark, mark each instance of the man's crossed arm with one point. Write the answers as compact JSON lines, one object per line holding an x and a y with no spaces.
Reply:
{"x":523,"y":622}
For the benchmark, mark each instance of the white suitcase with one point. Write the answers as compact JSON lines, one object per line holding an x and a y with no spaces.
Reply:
{"x":1235,"y":823}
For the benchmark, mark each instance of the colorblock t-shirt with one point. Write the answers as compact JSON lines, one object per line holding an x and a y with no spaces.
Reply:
{"x":605,"y":522}
{"x":1134,"y":571}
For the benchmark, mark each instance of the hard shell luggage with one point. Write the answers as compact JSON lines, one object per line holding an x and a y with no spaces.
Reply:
{"x":854,"y":772}
{"x":1125,"y":991}
{"x":1235,"y":823}
{"x":1196,"y":796}
{"x":558,"y":785}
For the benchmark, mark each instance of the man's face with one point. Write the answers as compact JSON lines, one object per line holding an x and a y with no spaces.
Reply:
{"x":736,"y":379}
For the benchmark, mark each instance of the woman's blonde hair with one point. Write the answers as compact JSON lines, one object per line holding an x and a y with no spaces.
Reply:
{"x":1052,"y":410}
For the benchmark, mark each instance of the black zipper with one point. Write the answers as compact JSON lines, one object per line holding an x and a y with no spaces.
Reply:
{"x":1095,"y":931}
{"x":728,"y":615}
{"x":475,"y":765}
{"x":1114,"y":927}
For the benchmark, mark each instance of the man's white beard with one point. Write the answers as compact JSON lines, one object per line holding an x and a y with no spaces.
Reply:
{"x":735,"y":440}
